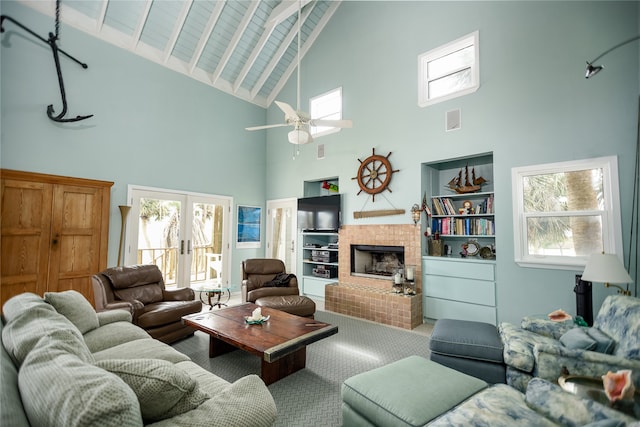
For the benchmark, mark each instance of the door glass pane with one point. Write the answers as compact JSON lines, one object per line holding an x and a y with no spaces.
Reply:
{"x":159,"y":236}
{"x":207,"y":243}
{"x":282,"y":240}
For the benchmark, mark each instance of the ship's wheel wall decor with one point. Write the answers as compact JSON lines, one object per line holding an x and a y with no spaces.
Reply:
{"x":374,"y":174}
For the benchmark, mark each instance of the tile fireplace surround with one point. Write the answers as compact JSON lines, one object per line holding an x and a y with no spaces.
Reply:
{"x":370,"y":298}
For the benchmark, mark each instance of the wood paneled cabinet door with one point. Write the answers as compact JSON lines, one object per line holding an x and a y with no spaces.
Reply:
{"x":54,"y":233}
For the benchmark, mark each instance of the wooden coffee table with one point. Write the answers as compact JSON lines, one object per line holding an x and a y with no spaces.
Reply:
{"x":281,"y":342}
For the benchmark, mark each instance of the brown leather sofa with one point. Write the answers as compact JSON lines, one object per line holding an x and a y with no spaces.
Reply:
{"x":140,"y":290}
{"x":266,"y":283}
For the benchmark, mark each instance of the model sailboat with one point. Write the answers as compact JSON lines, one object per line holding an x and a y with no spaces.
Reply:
{"x":466,"y":186}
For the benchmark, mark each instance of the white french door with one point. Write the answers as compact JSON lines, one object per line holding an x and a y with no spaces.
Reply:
{"x":185,"y":234}
{"x":281,"y":231}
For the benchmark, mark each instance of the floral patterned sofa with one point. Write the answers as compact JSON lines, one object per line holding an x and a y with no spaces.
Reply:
{"x":415,"y":391}
{"x":545,"y":349}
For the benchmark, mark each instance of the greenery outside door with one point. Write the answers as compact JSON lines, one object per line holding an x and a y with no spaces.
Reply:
{"x":185,"y":234}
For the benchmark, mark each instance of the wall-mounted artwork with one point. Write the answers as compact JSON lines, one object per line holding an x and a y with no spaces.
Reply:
{"x":248,"y":221}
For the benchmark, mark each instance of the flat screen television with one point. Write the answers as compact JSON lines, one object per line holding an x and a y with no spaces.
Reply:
{"x":317,"y":214}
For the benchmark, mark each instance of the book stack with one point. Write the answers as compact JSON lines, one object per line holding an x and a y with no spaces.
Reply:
{"x":463,"y":226}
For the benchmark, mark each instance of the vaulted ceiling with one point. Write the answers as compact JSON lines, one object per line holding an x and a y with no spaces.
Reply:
{"x":245,"y":48}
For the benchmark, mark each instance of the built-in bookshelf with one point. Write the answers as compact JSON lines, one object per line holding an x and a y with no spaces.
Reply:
{"x":458,"y":256}
{"x":458,"y":219}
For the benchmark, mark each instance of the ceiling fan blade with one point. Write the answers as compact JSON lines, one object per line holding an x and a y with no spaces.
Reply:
{"x":288,"y":109}
{"x":332,"y":123}
{"x":266,"y":126}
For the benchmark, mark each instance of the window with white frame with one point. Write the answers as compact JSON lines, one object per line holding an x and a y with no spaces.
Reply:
{"x":449,"y":71}
{"x":327,"y":106}
{"x":563,"y":212}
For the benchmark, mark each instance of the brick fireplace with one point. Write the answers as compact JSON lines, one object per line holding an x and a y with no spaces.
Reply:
{"x":373,"y":298}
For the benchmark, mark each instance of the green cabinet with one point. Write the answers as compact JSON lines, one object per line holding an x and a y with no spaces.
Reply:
{"x":459,"y":290}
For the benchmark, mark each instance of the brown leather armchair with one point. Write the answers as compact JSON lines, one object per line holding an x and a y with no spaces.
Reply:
{"x":140,"y":290}
{"x":266,"y":283}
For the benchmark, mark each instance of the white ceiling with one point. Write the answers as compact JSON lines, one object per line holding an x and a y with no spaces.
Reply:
{"x":245,"y":48}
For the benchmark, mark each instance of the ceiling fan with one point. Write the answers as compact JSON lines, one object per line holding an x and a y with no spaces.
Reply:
{"x":300,"y":120}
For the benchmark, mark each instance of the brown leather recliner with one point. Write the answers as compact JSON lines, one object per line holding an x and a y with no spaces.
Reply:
{"x":140,"y":290}
{"x":266,"y":283}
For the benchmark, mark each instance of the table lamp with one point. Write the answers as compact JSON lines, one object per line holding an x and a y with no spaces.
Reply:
{"x":607,"y":269}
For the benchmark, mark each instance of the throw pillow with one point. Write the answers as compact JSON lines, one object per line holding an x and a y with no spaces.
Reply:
{"x":577,"y":338}
{"x":58,"y":388}
{"x":163,"y":389}
{"x":75,"y":307}
{"x":604,"y":343}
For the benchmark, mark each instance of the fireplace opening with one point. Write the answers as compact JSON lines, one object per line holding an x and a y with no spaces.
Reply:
{"x":375,"y":261}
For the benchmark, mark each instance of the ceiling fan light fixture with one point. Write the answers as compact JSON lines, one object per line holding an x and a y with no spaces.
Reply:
{"x":299,"y":137}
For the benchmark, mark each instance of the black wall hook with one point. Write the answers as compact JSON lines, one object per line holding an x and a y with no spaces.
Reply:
{"x":52,"y":42}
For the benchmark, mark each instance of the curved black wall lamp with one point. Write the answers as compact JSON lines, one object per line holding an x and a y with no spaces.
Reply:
{"x":592,"y":70}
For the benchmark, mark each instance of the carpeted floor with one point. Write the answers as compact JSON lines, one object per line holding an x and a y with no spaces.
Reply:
{"x":312,"y":396}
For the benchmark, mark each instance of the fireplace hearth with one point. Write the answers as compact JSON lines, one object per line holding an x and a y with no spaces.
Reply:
{"x":372,"y":298}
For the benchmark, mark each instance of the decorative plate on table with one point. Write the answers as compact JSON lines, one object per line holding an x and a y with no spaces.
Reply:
{"x":250,"y":321}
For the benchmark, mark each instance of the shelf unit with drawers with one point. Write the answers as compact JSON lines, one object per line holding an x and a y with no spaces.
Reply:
{"x":458,"y":284}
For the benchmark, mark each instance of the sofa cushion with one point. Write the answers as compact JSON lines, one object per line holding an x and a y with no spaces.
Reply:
{"x":134,"y":275}
{"x":75,"y":307}
{"x":519,"y":344}
{"x":23,"y":303}
{"x":565,"y":408}
{"x":390,"y":395}
{"x":246,"y":402}
{"x":163,"y":389}
{"x":113,"y":334}
{"x":604,"y":343}
{"x":60,"y":389}
{"x":497,"y":406}
{"x":619,"y":318}
{"x":146,"y":348}
{"x":12,"y":413}
{"x":165,"y":312}
{"x":25,"y":329}
{"x":577,"y":338}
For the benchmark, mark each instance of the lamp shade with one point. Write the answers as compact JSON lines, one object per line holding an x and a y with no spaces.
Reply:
{"x":605,"y":268}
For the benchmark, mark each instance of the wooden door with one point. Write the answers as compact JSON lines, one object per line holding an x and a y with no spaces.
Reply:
{"x":75,"y":238}
{"x":26,"y":231}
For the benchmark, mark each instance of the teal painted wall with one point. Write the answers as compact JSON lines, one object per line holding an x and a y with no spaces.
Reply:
{"x":533,"y":106}
{"x":152,"y":126}
{"x":158,"y":128}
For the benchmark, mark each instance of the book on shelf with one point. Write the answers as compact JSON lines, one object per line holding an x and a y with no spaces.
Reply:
{"x":443,"y":206}
{"x":463,"y":226}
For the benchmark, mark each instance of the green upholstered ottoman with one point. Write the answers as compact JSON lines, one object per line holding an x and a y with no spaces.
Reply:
{"x":409,"y":392}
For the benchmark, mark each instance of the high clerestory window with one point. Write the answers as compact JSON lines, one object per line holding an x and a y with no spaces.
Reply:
{"x":449,"y":71}
{"x":327,"y":106}
{"x":564,"y":212}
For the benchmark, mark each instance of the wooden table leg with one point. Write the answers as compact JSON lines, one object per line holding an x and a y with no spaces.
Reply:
{"x":218,"y":347}
{"x":274,"y":371}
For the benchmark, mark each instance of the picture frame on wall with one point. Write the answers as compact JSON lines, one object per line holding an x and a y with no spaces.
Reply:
{"x":248,"y":227}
